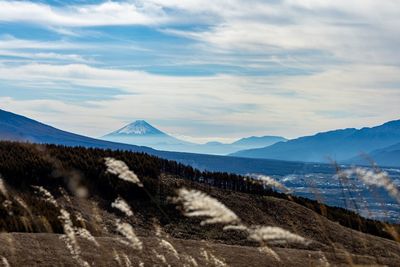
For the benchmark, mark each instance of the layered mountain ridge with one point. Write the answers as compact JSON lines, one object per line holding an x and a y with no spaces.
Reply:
{"x":380,"y":144}
{"x":337,"y":145}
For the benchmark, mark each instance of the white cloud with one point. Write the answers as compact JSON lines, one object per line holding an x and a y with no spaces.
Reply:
{"x":267,"y":105}
{"x":107,"y":13}
{"x":356,"y":30}
{"x":353,"y":45}
{"x":350,"y":31}
{"x":44,"y":56}
{"x":10,"y":42}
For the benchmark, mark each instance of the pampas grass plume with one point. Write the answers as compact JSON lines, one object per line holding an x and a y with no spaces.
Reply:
{"x":198,"y":204}
{"x":119,"y":168}
{"x":121,"y":204}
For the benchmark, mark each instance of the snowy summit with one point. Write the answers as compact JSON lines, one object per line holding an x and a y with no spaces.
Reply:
{"x":139,"y":127}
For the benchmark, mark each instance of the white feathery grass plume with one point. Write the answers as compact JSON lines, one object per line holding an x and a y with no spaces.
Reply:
{"x":5,"y":262}
{"x":212,"y":259}
{"x":267,"y":234}
{"x":68,"y":228}
{"x":158,"y":230}
{"x":217,"y":262}
{"x":269,"y":251}
{"x":79,"y":217}
{"x":65,"y":195}
{"x":7,"y":204}
{"x":204,"y":253}
{"x":127,"y":231}
{"x":3,"y":188}
{"x":274,"y":235}
{"x":198,"y":204}
{"x":46,"y":195}
{"x":70,"y":237}
{"x":117,"y":257}
{"x":118,"y":167}
{"x":324,"y":261}
{"x":168,"y":246}
{"x":376,"y":178}
{"x":82,"y":232}
{"x":160,"y":257}
{"x":239,"y":227}
{"x":22,"y":203}
{"x":72,"y":250}
{"x":127,"y":261}
{"x":98,"y":217}
{"x":121,"y":204}
{"x":268,"y":181}
{"x":189,"y":261}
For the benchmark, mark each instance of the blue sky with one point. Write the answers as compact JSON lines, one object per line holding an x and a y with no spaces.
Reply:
{"x":202,"y":70}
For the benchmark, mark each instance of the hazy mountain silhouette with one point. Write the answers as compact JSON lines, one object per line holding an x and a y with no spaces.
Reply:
{"x":141,"y":132}
{"x":387,"y":156}
{"x":258,"y":141}
{"x":337,"y":145}
{"x":15,"y":127}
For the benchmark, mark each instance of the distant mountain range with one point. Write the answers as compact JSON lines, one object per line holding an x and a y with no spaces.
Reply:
{"x":142,"y":133}
{"x":380,"y":143}
{"x":340,"y":145}
{"x":15,"y":127}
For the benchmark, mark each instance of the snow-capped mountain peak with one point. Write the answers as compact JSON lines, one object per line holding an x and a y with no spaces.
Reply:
{"x":139,"y":127}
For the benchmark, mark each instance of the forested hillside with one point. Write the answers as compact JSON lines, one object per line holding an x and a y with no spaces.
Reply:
{"x":23,"y":165}
{"x":79,"y":181}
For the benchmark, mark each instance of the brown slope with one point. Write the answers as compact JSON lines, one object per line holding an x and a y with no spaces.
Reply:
{"x":338,"y":245}
{"x":325,"y":234}
{"x":48,"y":250}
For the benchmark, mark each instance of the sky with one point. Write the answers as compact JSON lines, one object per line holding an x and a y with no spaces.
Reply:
{"x":202,"y":70}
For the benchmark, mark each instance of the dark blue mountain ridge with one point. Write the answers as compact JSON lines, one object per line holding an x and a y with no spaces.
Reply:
{"x":15,"y":127}
{"x":339,"y":145}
